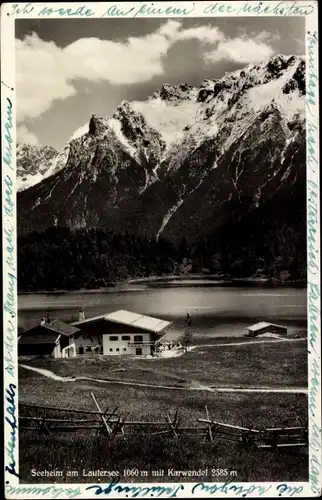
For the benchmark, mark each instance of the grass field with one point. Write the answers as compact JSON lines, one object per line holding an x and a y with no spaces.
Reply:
{"x":261,"y":364}
{"x":280,"y":364}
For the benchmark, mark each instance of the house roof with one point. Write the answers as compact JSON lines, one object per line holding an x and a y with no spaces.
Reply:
{"x":59,"y":326}
{"x":146,"y":323}
{"x":43,"y":338}
{"x":263,"y":324}
{"x":47,"y":333}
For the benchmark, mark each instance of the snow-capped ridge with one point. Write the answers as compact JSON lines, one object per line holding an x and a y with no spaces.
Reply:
{"x":179,"y":118}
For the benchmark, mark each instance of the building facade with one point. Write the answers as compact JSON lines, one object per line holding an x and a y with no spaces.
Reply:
{"x":119,"y":333}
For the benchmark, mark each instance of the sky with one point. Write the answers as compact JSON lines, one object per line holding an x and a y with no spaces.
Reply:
{"x":69,"y":69}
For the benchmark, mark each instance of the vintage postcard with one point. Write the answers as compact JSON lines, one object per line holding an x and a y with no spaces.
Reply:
{"x":161,"y":258}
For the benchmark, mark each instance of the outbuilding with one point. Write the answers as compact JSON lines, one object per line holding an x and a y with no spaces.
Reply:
{"x":50,"y":337}
{"x":265,"y":327}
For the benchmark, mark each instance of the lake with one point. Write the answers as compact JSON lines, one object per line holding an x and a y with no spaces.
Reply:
{"x":215,"y":310}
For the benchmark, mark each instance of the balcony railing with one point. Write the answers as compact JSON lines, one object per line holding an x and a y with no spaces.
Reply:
{"x":141,"y":343}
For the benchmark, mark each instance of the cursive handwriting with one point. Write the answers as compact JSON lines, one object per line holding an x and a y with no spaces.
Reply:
{"x":9,"y":348}
{"x":218,"y":7}
{"x":314,"y":474}
{"x":149,"y":9}
{"x":7,"y":157}
{"x":11,"y":419}
{"x":312,"y":226}
{"x":136,"y":491}
{"x":312,"y":78}
{"x":115,"y":11}
{"x":51,"y":491}
{"x":289,"y":491}
{"x":227,"y":487}
{"x":314,"y":314}
{"x":82,"y":11}
{"x":277,"y":9}
{"x":26,"y":9}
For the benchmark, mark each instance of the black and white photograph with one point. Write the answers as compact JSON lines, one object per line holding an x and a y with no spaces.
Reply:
{"x":162,"y":322}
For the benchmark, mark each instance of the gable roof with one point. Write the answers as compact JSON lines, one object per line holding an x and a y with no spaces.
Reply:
{"x":263,"y":324}
{"x":59,"y":326}
{"x":43,"y":338}
{"x":49,"y":330}
{"x":141,"y":321}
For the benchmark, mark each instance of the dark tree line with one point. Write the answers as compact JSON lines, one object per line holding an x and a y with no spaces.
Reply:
{"x":63,"y":259}
{"x":258,"y":245}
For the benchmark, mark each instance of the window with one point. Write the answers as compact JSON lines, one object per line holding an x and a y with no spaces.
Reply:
{"x":126,"y":337}
{"x":138,"y":338}
{"x":111,"y":350}
{"x":124,"y":349}
{"x":81,"y":350}
{"x":114,"y":338}
{"x":117,"y":349}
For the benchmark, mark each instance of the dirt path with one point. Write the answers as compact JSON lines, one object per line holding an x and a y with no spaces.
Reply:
{"x":249,"y":343}
{"x":175,"y":353}
{"x":195,"y":386}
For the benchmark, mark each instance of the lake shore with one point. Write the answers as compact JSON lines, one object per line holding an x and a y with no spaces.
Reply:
{"x":182,"y":280}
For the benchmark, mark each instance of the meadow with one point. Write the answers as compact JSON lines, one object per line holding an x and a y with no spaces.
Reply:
{"x":264,"y":365}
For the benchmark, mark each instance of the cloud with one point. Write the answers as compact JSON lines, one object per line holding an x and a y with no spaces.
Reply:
{"x":25,"y":136}
{"x":204,"y":34}
{"x":46,"y":72}
{"x":300,"y":43}
{"x":79,"y":132}
{"x":240,"y":50}
{"x":41,"y":76}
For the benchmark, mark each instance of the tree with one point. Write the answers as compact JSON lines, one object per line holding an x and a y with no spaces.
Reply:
{"x":187,"y":339}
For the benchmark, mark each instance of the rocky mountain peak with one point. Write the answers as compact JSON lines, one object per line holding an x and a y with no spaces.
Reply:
{"x":176,"y":93}
{"x":279,"y":63}
{"x":34,"y":163}
{"x":234,"y":143}
{"x":97,"y":125}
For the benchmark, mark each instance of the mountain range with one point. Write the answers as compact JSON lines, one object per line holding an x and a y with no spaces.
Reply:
{"x":199,"y":162}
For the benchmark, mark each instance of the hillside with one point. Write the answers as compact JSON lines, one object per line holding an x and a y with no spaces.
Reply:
{"x":203,"y":163}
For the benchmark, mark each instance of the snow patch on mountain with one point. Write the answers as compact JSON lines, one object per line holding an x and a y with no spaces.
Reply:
{"x":29,"y":180}
{"x":168,"y":216}
{"x":171,"y":142}
{"x":263,"y":95}
{"x":169,"y":119}
{"x":116,"y":126}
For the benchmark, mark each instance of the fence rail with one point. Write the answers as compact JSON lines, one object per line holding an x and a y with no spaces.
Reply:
{"x":111,"y":423}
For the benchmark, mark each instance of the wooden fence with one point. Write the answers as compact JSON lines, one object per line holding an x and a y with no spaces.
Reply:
{"x":112,"y":423}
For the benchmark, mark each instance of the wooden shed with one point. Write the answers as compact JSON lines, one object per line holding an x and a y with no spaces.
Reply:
{"x":265,"y":327}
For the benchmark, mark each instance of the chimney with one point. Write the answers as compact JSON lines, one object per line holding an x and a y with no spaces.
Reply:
{"x":47,"y":317}
{"x":81,"y":315}
{"x":42,"y":321}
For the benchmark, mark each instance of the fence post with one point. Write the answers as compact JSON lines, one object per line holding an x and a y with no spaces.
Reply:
{"x":209,"y":425}
{"x":43,"y":428}
{"x":171,"y":424}
{"x":109,"y":430}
